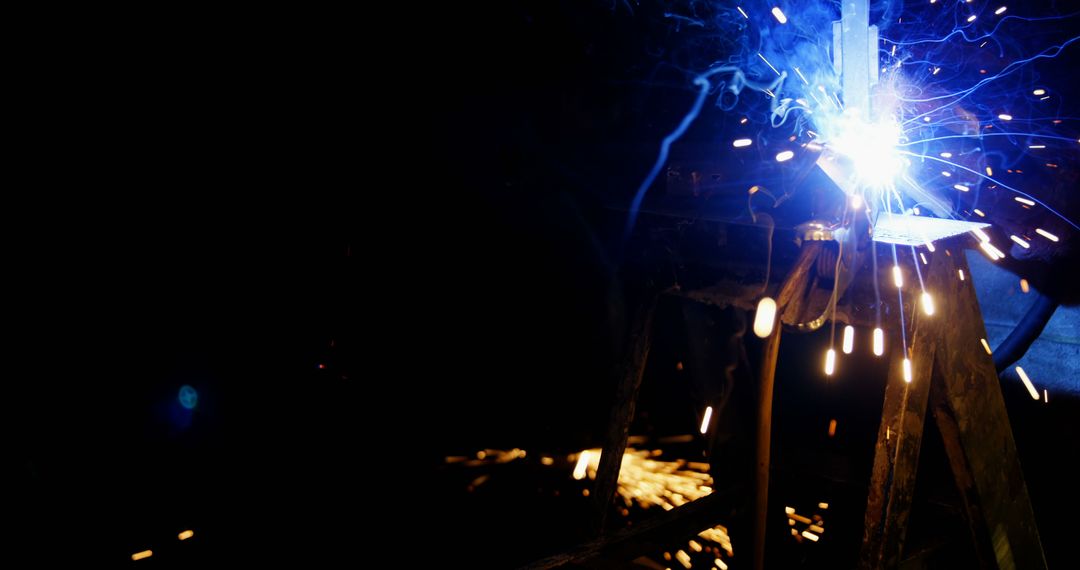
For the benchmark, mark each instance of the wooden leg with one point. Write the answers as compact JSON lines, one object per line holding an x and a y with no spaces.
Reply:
{"x":630,"y":373}
{"x":896,"y":460}
{"x":896,"y":455}
{"x":983,"y":449}
{"x":961,"y":470}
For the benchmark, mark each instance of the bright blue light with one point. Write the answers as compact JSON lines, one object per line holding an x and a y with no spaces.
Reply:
{"x":871,"y":146}
{"x":188,"y":397}
{"x":933,"y":83}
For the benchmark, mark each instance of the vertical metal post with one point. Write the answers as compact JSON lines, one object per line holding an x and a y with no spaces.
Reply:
{"x":855,"y":46}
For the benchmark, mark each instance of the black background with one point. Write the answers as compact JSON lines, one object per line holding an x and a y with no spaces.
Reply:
{"x":414,"y":200}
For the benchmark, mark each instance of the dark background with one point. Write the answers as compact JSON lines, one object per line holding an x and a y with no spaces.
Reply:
{"x":229,"y":201}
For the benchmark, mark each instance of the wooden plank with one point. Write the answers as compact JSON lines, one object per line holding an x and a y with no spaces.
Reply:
{"x":896,"y":455}
{"x":965,"y":480}
{"x":631,"y":370}
{"x":981,"y":426}
{"x":676,"y":525}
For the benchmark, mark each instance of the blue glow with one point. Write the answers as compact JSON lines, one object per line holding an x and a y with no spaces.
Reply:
{"x":872,"y":148}
{"x":188,"y":397}
{"x":980,"y":92}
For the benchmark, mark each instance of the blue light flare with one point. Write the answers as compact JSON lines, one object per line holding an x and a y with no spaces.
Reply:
{"x":972,"y":95}
{"x":871,"y":147}
{"x":188,"y":397}
{"x":959,"y":111}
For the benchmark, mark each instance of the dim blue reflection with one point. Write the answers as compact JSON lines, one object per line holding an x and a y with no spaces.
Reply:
{"x":188,"y":397}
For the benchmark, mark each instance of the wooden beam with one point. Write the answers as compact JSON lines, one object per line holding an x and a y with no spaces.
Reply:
{"x":631,"y":370}
{"x":961,"y":470}
{"x":676,"y":525}
{"x":896,"y":455}
{"x":983,"y":453}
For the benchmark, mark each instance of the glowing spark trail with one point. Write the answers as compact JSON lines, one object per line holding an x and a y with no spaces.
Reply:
{"x":583,"y":464}
{"x":927,"y":303}
{"x":765,"y":317}
{"x":767,"y":63}
{"x":705,"y":420}
{"x":801,"y":76}
{"x":1027,"y":383}
{"x":780,"y":17}
{"x":1046,"y":234}
{"x":994,"y":253}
